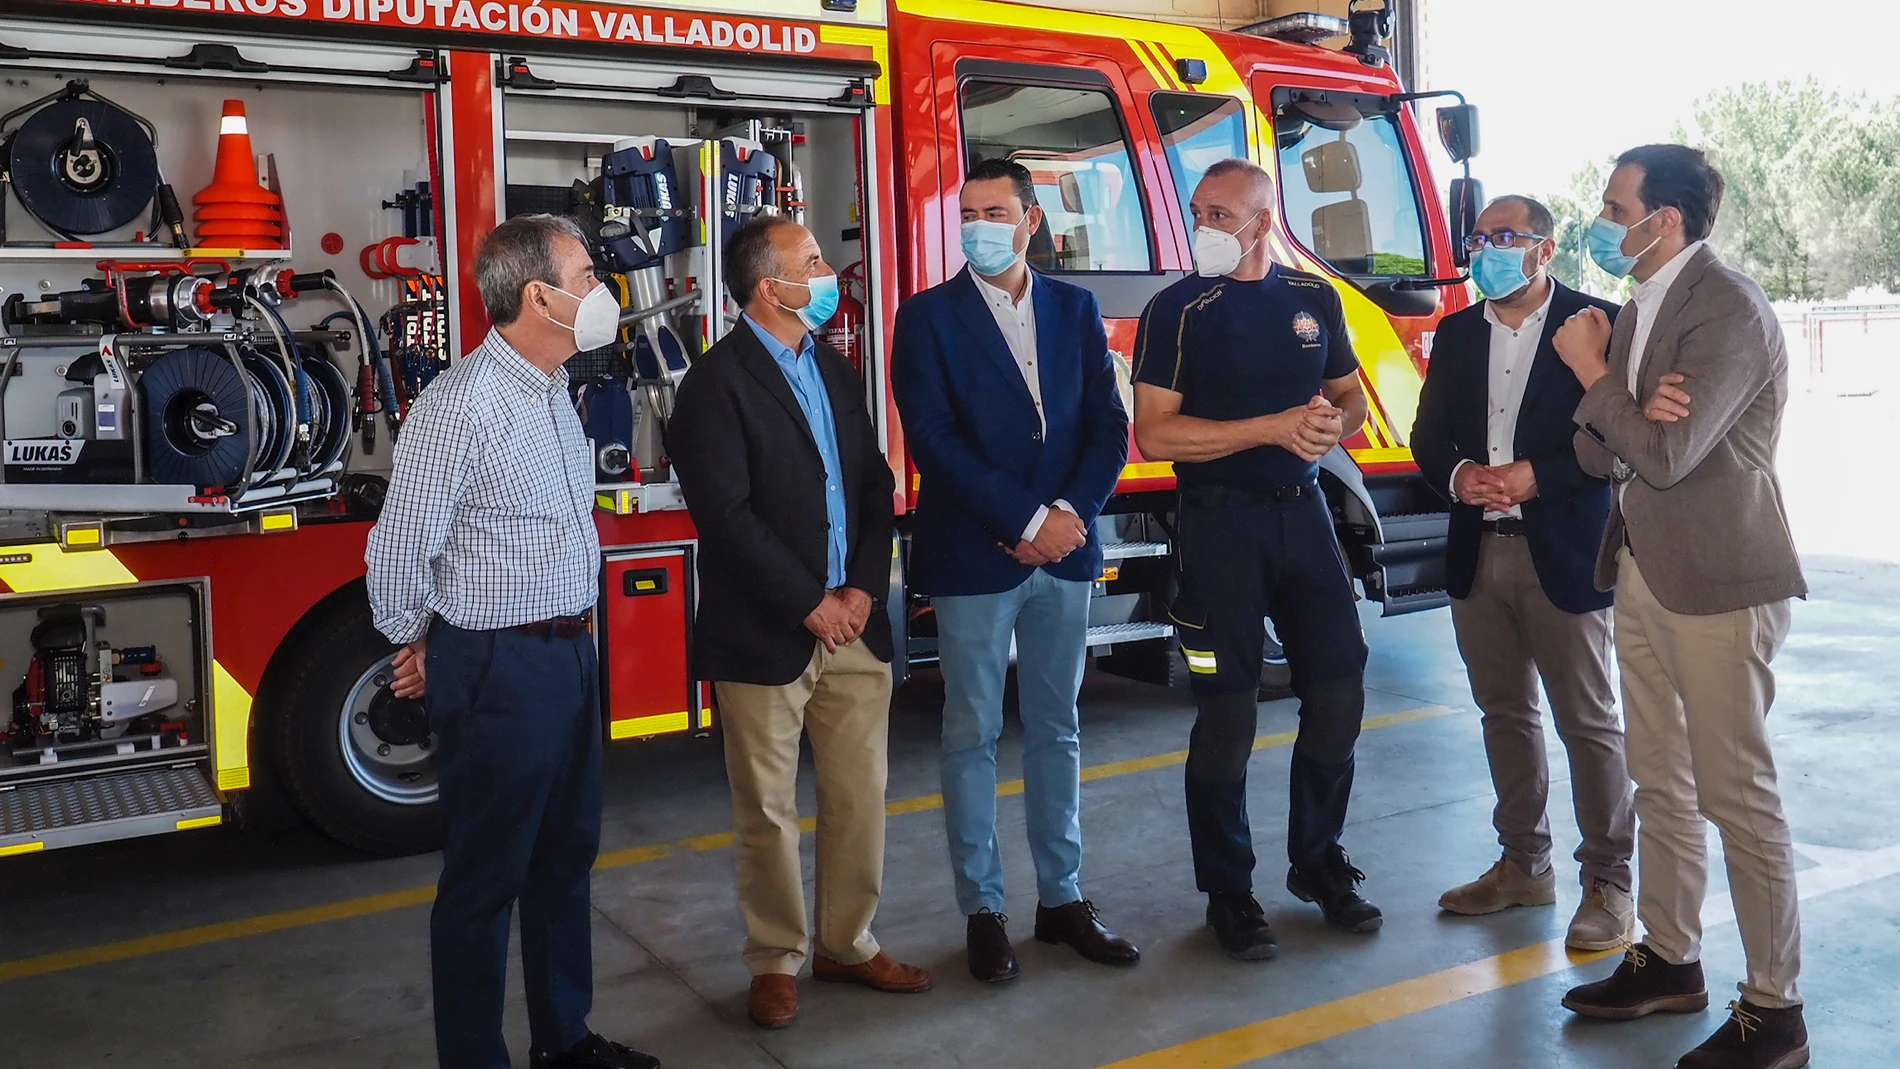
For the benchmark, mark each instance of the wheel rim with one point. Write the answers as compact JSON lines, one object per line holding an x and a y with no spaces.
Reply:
{"x":397,"y":772}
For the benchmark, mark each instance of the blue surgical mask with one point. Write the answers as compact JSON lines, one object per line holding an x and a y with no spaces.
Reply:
{"x":990,"y":247}
{"x":824,"y":300}
{"x":1605,"y":239}
{"x":1499,"y":272}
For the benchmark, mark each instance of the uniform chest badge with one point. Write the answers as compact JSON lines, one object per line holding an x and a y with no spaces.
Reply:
{"x":1306,"y":327}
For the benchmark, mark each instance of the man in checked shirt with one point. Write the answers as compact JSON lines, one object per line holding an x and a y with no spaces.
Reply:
{"x":483,"y":566}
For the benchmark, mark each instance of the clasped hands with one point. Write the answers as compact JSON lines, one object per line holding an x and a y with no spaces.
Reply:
{"x":840,"y":617}
{"x":1061,"y":534}
{"x":1495,"y":488}
{"x":1309,"y":431}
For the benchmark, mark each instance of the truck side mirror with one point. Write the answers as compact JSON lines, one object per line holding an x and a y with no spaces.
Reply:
{"x":1458,"y":131}
{"x":1465,"y":199}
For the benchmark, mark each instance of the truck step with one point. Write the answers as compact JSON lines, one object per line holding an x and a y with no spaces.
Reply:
{"x":1105,"y":635}
{"x":73,"y":812}
{"x":1126,"y":550}
{"x":1414,"y":600}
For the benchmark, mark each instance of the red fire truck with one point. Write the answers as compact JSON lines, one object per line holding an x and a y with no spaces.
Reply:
{"x":197,"y":412}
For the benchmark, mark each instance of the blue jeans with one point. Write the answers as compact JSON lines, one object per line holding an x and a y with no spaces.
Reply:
{"x":1049,"y":619}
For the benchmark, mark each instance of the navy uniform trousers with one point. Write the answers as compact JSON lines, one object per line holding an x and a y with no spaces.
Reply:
{"x":1244,"y":556}
{"x":517,"y":723}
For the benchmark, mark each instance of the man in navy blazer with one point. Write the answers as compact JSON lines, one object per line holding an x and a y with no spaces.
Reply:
{"x":1495,"y":436}
{"x":1015,"y":422}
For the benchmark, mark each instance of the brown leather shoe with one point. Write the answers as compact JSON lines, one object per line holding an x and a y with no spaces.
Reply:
{"x":773,"y":1000}
{"x":881,"y":973}
{"x":992,"y":959}
{"x":1079,"y":924}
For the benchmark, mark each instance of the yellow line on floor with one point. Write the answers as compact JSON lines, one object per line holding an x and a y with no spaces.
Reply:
{"x":1277,"y":1035}
{"x":62,"y":960}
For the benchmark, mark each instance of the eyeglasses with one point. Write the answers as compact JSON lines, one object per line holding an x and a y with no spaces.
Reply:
{"x":1502,"y":239}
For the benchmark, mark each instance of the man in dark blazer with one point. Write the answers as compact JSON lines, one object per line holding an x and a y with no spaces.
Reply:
{"x":1013,"y":416}
{"x":780,"y":466}
{"x":1494,"y":435}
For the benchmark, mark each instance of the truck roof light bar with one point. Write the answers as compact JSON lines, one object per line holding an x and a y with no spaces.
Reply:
{"x":1304,"y":28}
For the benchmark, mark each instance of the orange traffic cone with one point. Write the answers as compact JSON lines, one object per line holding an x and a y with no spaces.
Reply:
{"x":235,"y":209}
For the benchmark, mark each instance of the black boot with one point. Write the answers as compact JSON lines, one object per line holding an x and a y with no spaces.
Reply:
{"x":594,"y":1052}
{"x":1753,"y":1037}
{"x":1240,"y":925}
{"x":1643,"y":984}
{"x":1334,"y":885}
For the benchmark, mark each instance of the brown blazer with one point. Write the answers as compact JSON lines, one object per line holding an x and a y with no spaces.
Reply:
{"x":1703,"y":509}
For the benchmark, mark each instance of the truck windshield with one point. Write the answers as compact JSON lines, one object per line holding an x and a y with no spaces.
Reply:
{"x":1347,"y":188}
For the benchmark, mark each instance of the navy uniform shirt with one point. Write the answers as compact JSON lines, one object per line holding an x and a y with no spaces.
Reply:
{"x":1235,"y":350}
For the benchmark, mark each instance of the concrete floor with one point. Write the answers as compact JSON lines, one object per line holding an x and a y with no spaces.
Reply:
{"x":352,"y":989}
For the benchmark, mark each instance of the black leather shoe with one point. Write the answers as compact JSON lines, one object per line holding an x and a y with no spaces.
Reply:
{"x":1642,"y":984}
{"x":992,"y":959}
{"x":1753,"y":1037}
{"x":1334,"y":886}
{"x":1079,"y":924}
{"x":594,"y":1052}
{"x":1240,"y":926}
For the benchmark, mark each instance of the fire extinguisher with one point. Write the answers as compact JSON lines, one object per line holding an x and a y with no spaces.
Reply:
{"x":844,"y":331}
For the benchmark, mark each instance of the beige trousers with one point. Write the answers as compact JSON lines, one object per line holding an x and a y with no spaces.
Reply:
{"x":1510,"y":635}
{"x":843,"y":701}
{"x":1696,"y":691}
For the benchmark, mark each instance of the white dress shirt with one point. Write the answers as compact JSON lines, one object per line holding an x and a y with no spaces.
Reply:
{"x":1513,"y":352}
{"x":1647,"y":300}
{"x":1016,"y":319}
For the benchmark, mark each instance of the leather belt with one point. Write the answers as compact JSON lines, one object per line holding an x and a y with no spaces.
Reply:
{"x":1508,"y":526}
{"x":1219,"y":497}
{"x":558,"y":627}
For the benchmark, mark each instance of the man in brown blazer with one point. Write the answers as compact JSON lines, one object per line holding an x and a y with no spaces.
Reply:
{"x":1682,"y":409}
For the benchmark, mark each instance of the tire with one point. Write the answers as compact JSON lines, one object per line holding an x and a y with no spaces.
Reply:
{"x":327,"y":723}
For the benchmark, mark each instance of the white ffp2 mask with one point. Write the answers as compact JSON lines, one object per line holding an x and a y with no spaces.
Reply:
{"x":1217,"y":252}
{"x":597,"y":319}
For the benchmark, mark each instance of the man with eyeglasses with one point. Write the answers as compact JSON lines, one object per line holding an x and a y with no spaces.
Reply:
{"x":1494,"y":436}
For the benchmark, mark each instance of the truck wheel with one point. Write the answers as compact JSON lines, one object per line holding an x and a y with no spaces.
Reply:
{"x":354,"y":758}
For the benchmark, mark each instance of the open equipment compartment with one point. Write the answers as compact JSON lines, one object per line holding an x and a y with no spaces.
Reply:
{"x":204,"y":370}
{"x":110,"y":724}
{"x":659,"y":164}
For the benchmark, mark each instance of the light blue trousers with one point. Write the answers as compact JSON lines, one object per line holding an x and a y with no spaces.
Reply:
{"x":1049,"y":619}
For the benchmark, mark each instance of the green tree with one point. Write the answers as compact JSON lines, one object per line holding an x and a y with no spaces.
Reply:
{"x":1571,"y":212}
{"x":1763,"y":138}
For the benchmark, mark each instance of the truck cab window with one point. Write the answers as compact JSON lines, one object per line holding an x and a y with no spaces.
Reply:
{"x":1197,"y":131}
{"x":1347,"y":190}
{"x":1074,"y":145}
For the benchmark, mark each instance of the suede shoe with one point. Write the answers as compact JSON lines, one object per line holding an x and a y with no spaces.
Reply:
{"x":881,"y":973}
{"x":1079,"y":924}
{"x":1334,"y":886}
{"x":594,"y":1052}
{"x":992,"y":958}
{"x":1753,"y":1037}
{"x":1240,"y":926}
{"x":1643,"y":984}
{"x":1605,"y":920}
{"x":772,"y":1001}
{"x":1502,"y":886}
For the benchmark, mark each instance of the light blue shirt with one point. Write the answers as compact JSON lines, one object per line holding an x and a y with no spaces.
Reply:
{"x":808,"y":385}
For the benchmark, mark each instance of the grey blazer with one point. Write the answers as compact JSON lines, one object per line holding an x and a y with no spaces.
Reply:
{"x":1702,"y":509}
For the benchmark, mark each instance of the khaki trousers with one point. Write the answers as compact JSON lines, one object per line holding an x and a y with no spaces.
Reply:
{"x":1510,"y":635}
{"x":843,"y":701}
{"x":1697,"y":690}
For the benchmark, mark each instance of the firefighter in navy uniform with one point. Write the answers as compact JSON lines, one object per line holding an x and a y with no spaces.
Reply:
{"x":1244,"y":377}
